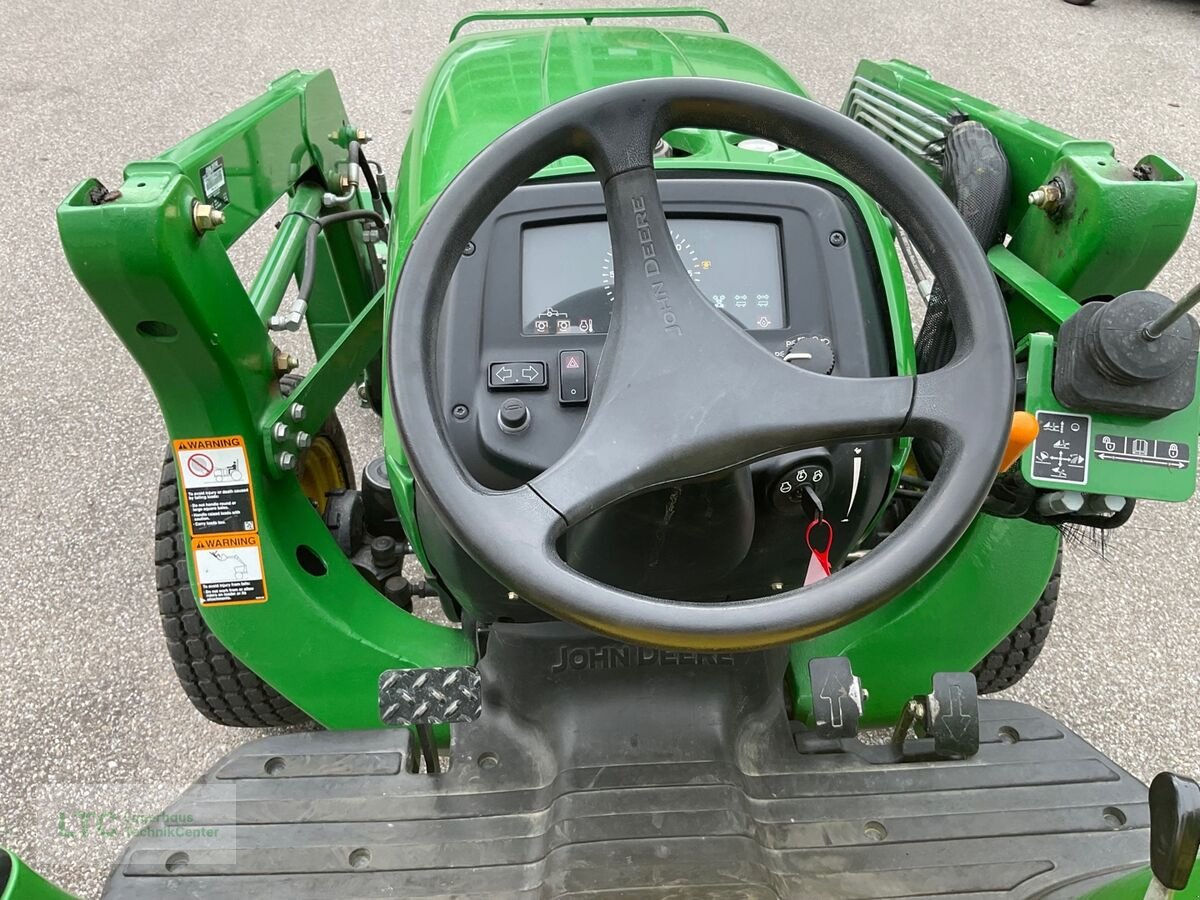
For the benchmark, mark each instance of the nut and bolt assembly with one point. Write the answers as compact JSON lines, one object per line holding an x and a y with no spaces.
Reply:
{"x":206,"y":217}
{"x":284,"y":362}
{"x":1048,"y":196}
{"x":286,"y":460}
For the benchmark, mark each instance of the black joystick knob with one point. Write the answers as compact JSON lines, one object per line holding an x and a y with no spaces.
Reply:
{"x":514,"y":415}
{"x":1134,"y":355}
{"x":1120,"y":348}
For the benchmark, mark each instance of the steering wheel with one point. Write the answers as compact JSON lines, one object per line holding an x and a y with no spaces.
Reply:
{"x":681,"y":390}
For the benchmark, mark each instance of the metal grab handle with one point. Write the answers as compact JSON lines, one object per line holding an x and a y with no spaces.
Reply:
{"x":588,"y":15}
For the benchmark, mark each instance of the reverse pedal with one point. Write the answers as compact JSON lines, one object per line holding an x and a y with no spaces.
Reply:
{"x":948,"y":716}
{"x":427,"y":697}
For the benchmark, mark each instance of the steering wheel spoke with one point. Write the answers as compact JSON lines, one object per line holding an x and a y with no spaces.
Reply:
{"x":676,"y":417}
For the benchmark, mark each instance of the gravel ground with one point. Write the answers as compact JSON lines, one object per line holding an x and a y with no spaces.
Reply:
{"x":92,"y":717}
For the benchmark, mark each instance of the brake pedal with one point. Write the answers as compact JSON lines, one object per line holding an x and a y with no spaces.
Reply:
{"x":427,"y":697}
{"x":837,"y":697}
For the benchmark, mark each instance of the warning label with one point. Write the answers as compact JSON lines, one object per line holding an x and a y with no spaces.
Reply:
{"x":215,"y":478}
{"x":229,"y":569}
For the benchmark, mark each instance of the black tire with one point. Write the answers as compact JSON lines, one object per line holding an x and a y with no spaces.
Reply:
{"x":215,"y":680}
{"x":1015,"y":655}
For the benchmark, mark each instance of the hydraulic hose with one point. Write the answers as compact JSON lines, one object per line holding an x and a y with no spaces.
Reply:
{"x":291,"y":321}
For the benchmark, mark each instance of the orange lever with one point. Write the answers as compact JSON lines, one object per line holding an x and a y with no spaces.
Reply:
{"x":1023,"y":433}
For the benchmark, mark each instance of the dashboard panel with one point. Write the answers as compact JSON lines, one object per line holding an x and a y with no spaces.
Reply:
{"x":790,"y":260}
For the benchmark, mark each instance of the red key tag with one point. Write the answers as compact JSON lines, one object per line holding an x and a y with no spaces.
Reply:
{"x":819,"y":537}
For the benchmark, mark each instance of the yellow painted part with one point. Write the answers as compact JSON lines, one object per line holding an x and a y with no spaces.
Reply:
{"x":321,"y":471}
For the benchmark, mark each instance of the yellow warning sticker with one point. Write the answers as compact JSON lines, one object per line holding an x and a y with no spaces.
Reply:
{"x":229,"y":570}
{"x":215,"y":477}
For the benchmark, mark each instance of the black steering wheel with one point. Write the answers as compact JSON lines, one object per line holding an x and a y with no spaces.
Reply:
{"x":681,"y":390}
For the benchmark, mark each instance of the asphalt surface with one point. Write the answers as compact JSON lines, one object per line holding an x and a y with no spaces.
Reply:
{"x":91,"y":718}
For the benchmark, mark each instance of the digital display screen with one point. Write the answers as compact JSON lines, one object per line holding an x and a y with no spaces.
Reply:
{"x":567,"y":273}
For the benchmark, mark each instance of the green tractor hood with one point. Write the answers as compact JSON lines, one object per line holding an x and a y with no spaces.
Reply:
{"x":486,"y":83}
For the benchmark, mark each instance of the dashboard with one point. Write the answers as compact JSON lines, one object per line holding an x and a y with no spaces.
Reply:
{"x":522,"y":335}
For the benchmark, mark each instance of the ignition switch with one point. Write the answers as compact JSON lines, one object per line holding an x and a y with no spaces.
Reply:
{"x":789,"y":493}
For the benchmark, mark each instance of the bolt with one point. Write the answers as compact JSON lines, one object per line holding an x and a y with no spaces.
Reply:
{"x":383,"y":550}
{"x":335,"y":136}
{"x":296,"y":411}
{"x":361,"y":136}
{"x":513,"y":596}
{"x":469,"y":250}
{"x":777,"y":585}
{"x":286,"y":461}
{"x":1047,"y":197}
{"x":284,"y":362}
{"x":280,"y":432}
{"x":460,"y":411}
{"x":344,"y":182}
{"x":364,"y":396}
{"x":303,"y":440}
{"x":838,"y":239}
{"x":206,"y":217}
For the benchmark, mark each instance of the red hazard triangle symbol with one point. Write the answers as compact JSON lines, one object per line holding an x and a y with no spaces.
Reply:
{"x":572,"y":362}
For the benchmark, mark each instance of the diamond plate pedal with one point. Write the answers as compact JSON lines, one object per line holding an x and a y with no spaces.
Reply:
{"x":430,"y":696}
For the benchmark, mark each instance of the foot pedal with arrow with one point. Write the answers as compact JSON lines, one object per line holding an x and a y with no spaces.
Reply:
{"x":943,"y":724}
{"x":427,"y":697}
{"x":946,"y":721}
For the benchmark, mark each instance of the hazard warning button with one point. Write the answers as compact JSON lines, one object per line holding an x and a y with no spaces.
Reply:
{"x":572,"y":377}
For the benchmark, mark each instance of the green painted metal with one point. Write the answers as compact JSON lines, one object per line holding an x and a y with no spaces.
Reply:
{"x":1114,"y":233}
{"x":327,"y":382}
{"x":185,"y":317}
{"x":1034,"y":304}
{"x":25,"y":884}
{"x":1172,"y":480}
{"x":273,"y":278}
{"x":947,"y":622}
{"x":587,"y":15}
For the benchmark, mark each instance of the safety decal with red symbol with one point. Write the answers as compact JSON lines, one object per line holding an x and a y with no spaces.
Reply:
{"x":214,"y":477}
